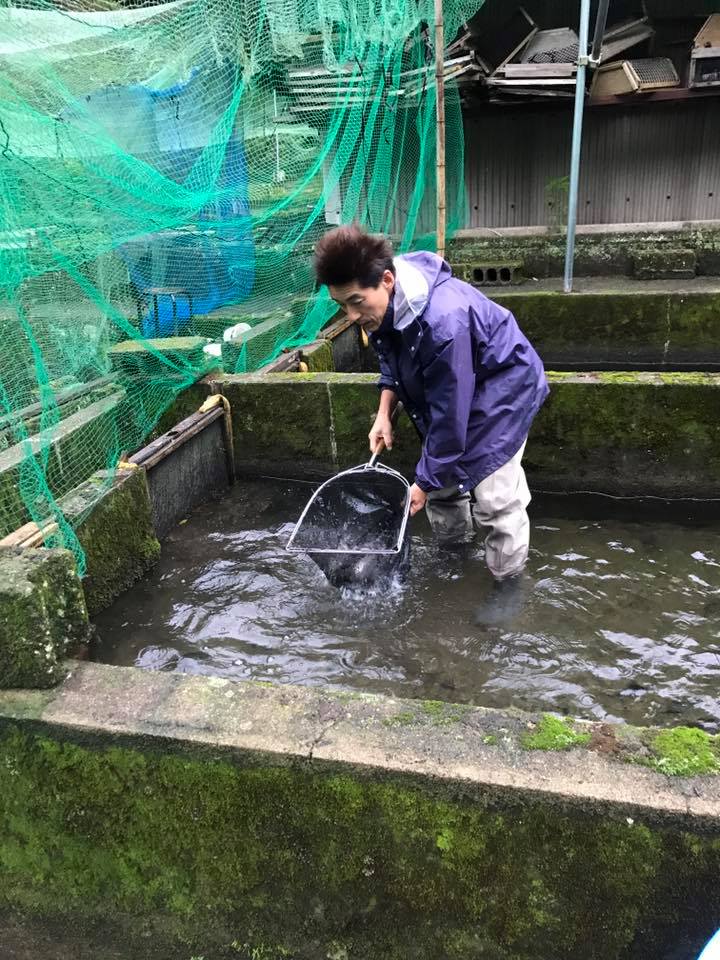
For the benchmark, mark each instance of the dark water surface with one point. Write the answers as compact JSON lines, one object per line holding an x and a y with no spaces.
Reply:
{"x":622,"y":619}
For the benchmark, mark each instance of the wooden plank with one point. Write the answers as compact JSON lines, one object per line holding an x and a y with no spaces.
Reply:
{"x":43,"y":531}
{"x":497,"y":82}
{"x":30,"y":534}
{"x":519,"y":71}
{"x":335,"y":329}
{"x":18,"y":537}
{"x":284,"y":363}
{"x":163,"y":446}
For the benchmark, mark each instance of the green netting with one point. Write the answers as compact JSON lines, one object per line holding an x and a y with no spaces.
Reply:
{"x":164,"y":172}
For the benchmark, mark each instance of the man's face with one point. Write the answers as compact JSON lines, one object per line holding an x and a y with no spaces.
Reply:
{"x":365,"y":306}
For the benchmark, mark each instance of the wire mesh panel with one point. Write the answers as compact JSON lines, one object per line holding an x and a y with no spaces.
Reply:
{"x":654,"y":72}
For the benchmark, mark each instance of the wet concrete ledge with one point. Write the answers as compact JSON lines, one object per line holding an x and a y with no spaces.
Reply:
{"x":626,"y":434}
{"x":190,"y":816}
{"x":477,"y":747}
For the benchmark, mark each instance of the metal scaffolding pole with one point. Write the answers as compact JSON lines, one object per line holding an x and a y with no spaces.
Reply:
{"x":577,"y":143}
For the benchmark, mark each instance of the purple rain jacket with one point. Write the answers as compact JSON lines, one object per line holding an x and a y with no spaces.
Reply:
{"x":468,"y":377}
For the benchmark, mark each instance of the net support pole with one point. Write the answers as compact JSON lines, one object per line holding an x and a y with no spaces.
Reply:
{"x":600,"y":25}
{"x":582,"y":66}
{"x":441,"y":223}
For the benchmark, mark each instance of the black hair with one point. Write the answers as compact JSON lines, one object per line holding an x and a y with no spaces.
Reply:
{"x":350,"y":255}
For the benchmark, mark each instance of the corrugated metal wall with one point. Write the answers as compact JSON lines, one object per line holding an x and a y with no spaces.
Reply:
{"x":643,"y":163}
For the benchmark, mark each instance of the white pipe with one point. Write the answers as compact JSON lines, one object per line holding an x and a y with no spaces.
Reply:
{"x":577,"y":143}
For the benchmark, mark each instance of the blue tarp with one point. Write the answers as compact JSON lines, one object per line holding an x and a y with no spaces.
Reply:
{"x":210,"y":262}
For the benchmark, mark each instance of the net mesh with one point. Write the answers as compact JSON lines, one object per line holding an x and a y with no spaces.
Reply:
{"x":164,"y":173}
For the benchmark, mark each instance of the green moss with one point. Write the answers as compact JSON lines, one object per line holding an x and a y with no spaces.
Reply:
{"x":685,"y":752}
{"x":259,"y":951}
{"x":442,"y":714}
{"x":433,"y":712}
{"x":403,"y":719}
{"x":688,"y":378}
{"x":615,"y":432}
{"x":42,"y":616}
{"x":629,"y":434}
{"x":281,"y":422}
{"x":552,"y":733}
{"x":490,"y":740}
{"x":611,"y":326}
{"x":319,"y":357}
{"x":652,"y":262}
{"x":180,"y":856}
{"x":115,"y":531}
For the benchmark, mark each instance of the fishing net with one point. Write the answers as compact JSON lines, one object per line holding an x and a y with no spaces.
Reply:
{"x":164,"y":173}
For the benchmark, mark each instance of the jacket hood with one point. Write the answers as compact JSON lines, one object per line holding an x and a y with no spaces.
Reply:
{"x":416,"y":276}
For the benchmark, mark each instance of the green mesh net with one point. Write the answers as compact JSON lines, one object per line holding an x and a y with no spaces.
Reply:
{"x":164,"y":173}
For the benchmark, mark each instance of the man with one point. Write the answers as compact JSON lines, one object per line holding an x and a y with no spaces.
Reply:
{"x":467,"y":376}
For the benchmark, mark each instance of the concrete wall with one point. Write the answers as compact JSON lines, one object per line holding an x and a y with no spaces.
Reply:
{"x":626,"y":326}
{"x":621,"y":433}
{"x":155,"y":815}
{"x":606,"y":324}
{"x":112,"y":516}
{"x":599,"y":252}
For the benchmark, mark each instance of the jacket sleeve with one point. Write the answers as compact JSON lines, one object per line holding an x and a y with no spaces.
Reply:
{"x":449,"y":381}
{"x":386,"y":381}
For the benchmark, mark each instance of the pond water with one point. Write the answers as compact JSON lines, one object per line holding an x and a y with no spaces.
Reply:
{"x":621,"y":619}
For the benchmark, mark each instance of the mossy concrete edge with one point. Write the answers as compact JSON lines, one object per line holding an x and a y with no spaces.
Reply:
{"x":180,"y":817}
{"x":618,"y":433}
{"x":113,"y":518}
{"x":478,"y":747}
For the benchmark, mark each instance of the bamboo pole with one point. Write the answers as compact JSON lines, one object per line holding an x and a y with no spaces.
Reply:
{"x":441,"y":225}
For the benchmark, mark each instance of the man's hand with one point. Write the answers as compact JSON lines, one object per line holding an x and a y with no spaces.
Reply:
{"x":381,"y":430}
{"x":418,"y":499}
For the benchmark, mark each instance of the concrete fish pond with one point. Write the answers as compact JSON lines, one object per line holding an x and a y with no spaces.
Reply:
{"x":620,"y":620}
{"x":254,"y":764}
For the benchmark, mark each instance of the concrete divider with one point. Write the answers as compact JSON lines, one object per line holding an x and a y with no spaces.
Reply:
{"x":111,"y":513}
{"x":167,"y":816}
{"x":633,"y":434}
{"x":43,"y":617}
{"x":620,"y":325}
{"x":73,"y":447}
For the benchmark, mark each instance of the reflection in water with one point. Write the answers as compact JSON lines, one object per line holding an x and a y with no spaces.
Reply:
{"x":621,"y":622}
